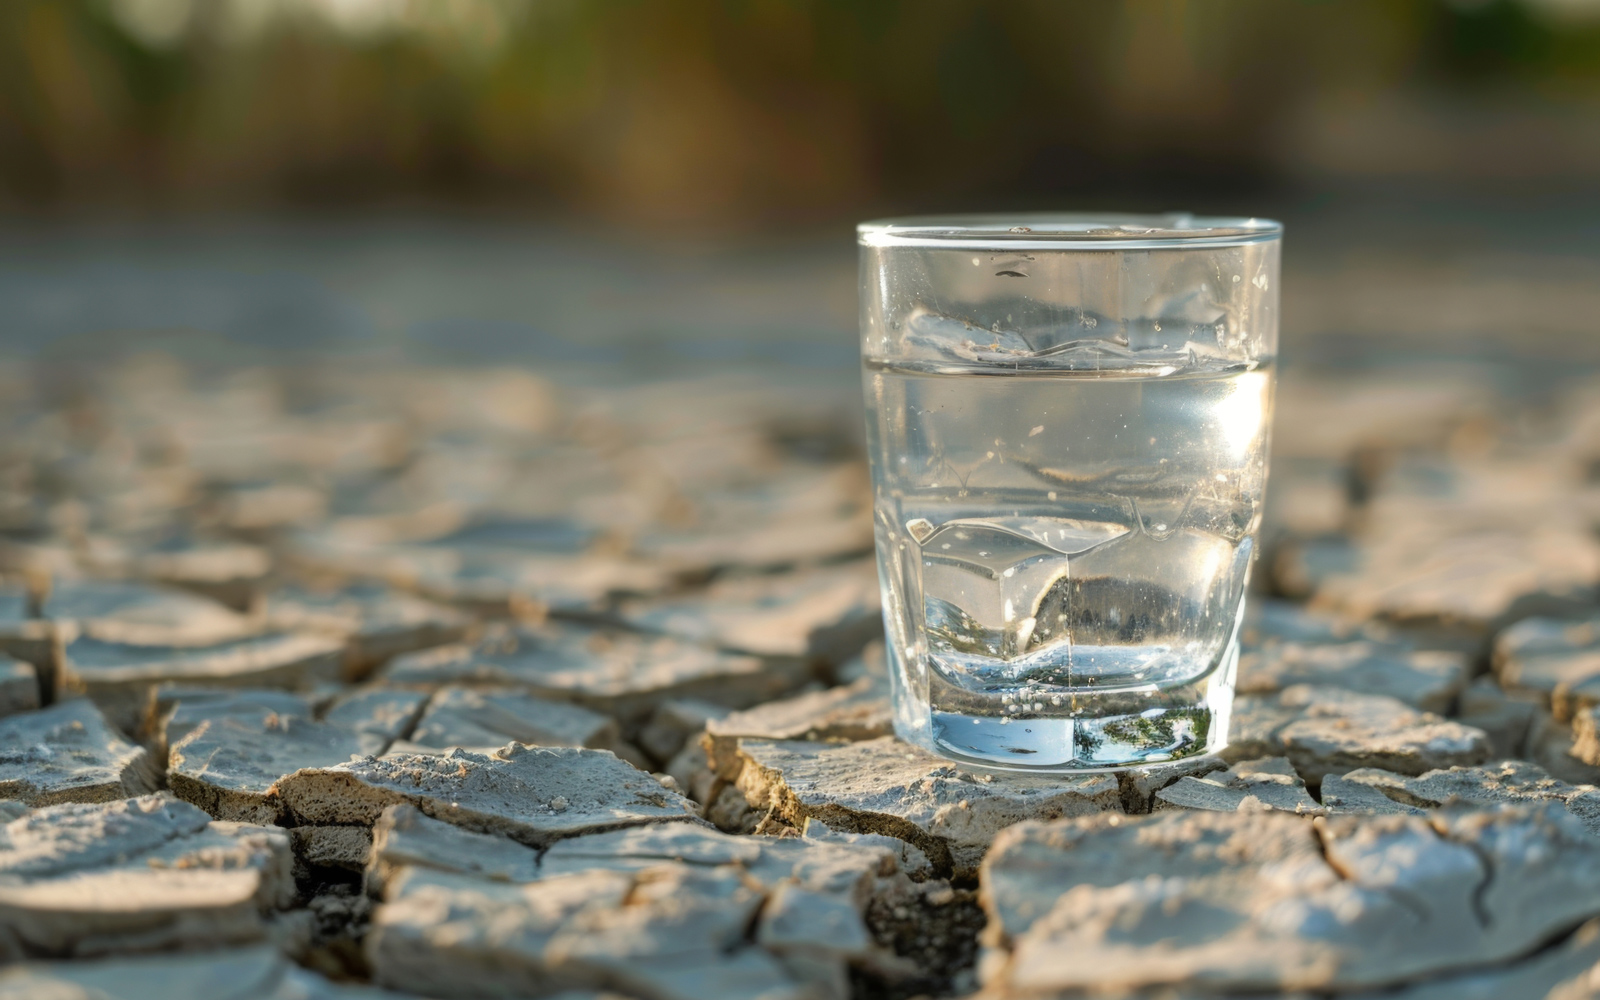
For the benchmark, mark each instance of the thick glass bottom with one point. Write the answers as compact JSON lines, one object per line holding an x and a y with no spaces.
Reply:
{"x":1090,"y":730}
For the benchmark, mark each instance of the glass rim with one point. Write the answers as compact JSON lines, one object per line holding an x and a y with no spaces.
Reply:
{"x":1068,"y":231}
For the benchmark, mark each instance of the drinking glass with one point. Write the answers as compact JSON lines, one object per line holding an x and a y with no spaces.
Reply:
{"x":1067,"y":418}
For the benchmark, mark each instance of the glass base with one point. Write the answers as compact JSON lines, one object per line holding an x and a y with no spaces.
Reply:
{"x":1096,"y":730}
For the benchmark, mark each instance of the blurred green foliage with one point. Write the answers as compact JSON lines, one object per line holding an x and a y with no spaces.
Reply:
{"x":1493,"y":41}
{"x":719,"y":110}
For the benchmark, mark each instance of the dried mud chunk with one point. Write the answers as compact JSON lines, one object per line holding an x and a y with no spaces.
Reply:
{"x":798,"y":513}
{"x":232,"y":574}
{"x":1426,"y":679}
{"x":1553,"y":745}
{"x":142,"y":614}
{"x":492,"y":579}
{"x":1268,"y":622}
{"x":27,"y":637}
{"x":670,"y":932}
{"x":263,"y":507}
{"x":1505,"y":717}
{"x":67,"y":753}
{"x":1586,"y":735}
{"x":805,"y":921}
{"x":847,"y":870}
{"x":230,"y":750}
{"x":691,"y":896}
{"x":622,"y":674}
{"x":179,"y":708}
{"x":1327,"y":731}
{"x":691,"y":772}
{"x":1563,"y":972}
{"x":907,"y":857}
{"x":378,"y":716}
{"x":825,"y":614}
{"x":527,"y":585}
{"x":815,"y":936}
{"x":1338,"y":733}
{"x":534,"y":795}
{"x":857,"y":711}
{"x":450,"y":935}
{"x":1310,"y":499}
{"x":1554,"y":660}
{"x":260,"y":972}
{"x":1510,"y":781}
{"x":405,"y":838}
{"x":235,"y":750}
{"x":1267,"y":901}
{"x":138,"y":874}
{"x":676,"y":723}
{"x":376,"y":623}
{"x":1254,"y":725}
{"x":885,"y":786}
{"x":65,"y":838}
{"x":121,"y":677}
{"x":680,"y":933}
{"x":1474,"y":558}
{"x":488,"y":718}
{"x":1538,"y":636}
{"x":645,"y":847}
{"x":1348,"y":793}
{"x":1140,"y":784}
{"x":347,"y":847}
{"x":19,"y":686}
{"x":1259,"y":785}
{"x":840,"y":864}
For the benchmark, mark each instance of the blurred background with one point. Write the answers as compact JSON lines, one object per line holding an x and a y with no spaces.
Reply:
{"x":367,"y":292}
{"x":319,"y":308}
{"x":658,"y":186}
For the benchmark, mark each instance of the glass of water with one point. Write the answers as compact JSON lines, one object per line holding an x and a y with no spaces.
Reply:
{"x":1067,"y":418}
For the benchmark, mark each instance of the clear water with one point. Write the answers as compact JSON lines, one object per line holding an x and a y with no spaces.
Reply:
{"x":1064,"y":552}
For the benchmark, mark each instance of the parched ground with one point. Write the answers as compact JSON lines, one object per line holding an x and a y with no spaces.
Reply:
{"x":467,"y":682}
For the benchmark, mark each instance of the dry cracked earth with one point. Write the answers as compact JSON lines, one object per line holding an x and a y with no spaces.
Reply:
{"x":464,"y":683}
